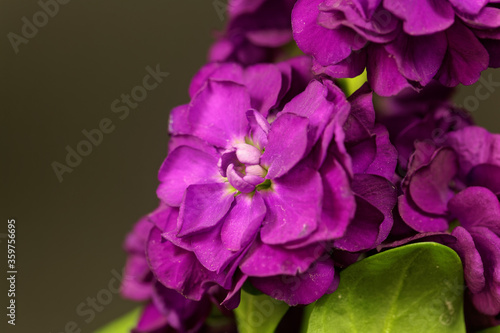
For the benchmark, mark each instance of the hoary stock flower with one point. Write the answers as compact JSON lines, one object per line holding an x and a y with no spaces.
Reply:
{"x":257,"y":188}
{"x":401,"y":43}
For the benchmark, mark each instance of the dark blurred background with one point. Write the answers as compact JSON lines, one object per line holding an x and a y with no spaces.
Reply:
{"x":62,"y":81}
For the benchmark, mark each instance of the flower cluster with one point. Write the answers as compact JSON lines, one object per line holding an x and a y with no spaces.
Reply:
{"x":275,"y":180}
{"x":400,"y":43}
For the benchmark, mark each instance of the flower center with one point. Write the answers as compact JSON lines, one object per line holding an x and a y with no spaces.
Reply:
{"x":241,"y":166}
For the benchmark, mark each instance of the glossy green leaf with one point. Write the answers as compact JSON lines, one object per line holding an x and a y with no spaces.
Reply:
{"x":410,"y":289}
{"x":259,"y":313}
{"x":123,"y":324}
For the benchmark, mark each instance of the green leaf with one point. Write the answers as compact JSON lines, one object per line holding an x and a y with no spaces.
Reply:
{"x":259,"y":313}
{"x":351,"y":85}
{"x":414,"y":288}
{"x":495,"y":329}
{"x":123,"y":324}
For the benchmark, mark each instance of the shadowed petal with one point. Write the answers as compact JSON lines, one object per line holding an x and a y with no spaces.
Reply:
{"x":269,"y":260}
{"x":304,"y":288}
{"x":179,"y":269}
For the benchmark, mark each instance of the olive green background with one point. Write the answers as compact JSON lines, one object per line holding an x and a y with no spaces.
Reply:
{"x":70,"y":234}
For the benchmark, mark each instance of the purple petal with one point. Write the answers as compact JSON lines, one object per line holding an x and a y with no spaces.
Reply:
{"x":304,"y":288}
{"x":487,"y":19}
{"x":471,"y":7}
{"x":178,"y":122}
{"x":293,"y":206}
{"x":182,"y":314}
{"x":203,"y":207}
{"x":236,"y":180}
{"x":216,"y":71}
{"x":193,"y":142}
{"x":415,"y":59}
{"x":429,"y":186}
{"x":287,"y":144}
{"x":258,"y":128}
{"x":327,"y":46}
{"x":383,"y":72}
{"x":466,"y":57}
{"x":171,"y":229}
{"x":422,"y":17}
{"x":313,"y":105}
{"x":471,"y":259}
{"x":385,"y":161}
{"x":264,"y":84}
{"x":183,"y":167}
{"x":247,"y":154}
{"x":352,"y":66}
{"x":493,"y":48}
{"x":375,"y":200}
{"x":232,"y":300}
{"x":339,"y":205}
{"x":488,"y":244}
{"x":476,"y":206}
{"x":417,"y":219}
{"x":362,"y":106}
{"x":268,"y":260}
{"x":243,"y":221}
{"x":151,"y":320}
{"x":211,"y":251}
{"x":474,"y":145}
{"x":179,"y":269}
{"x":485,"y":175}
{"x":136,"y":283}
{"x":217,"y":114}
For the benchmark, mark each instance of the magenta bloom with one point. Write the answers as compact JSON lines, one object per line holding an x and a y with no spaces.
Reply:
{"x":401,"y":43}
{"x":469,"y":157}
{"x":258,"y":188}
{"x":478,"y":244}
{"x":256,"y":29}
{"x":165,"y":308}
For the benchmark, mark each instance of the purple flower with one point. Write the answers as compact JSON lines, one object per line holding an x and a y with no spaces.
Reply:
{"x":165,"y":308}
{"x":401,"y":44}
{"x":478,"y":244}
{"x":469,"y":157}
{"x":257,"y":28}
{"x":256,"y":188}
